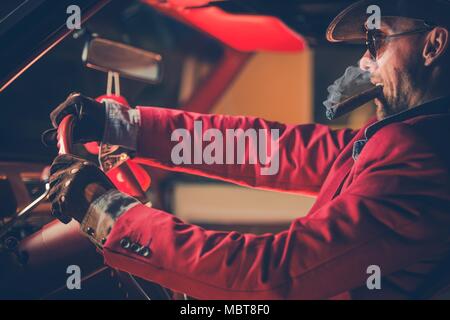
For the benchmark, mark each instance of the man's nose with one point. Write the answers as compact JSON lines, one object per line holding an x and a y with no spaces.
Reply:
{"x":367,"y":63}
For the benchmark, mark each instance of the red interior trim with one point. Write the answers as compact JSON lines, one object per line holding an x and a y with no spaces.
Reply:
{"x":208,"y":92}
{"x":241,"y":32}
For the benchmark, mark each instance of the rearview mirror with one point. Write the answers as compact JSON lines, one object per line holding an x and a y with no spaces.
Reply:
{"x":130,"y":62}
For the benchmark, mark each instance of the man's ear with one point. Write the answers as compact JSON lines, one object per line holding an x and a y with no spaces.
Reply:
{"x":436,"y":45}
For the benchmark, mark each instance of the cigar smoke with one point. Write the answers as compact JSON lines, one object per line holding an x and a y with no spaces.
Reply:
{"x":351,"y":91}
{"x":354,"y":102}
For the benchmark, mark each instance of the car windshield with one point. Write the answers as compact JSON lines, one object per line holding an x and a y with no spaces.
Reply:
{"x":188,"y":55}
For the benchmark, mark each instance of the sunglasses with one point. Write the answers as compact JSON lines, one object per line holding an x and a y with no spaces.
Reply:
{"x":376,"y":40}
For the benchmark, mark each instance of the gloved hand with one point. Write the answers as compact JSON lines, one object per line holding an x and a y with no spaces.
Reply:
{"x":74,"y":184}
{"x":90,"y":119}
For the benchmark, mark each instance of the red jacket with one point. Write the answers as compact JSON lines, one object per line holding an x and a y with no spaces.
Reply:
{"x":383,"y":198}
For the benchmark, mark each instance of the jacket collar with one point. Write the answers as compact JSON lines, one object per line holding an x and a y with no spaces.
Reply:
{"x":437,"y":106}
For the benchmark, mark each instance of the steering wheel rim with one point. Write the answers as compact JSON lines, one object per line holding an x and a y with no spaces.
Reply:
{"x":64,"y":135}
{"x":65,"y":146}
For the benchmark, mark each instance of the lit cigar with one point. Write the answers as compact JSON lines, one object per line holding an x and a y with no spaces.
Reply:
{"x":354,"y":102}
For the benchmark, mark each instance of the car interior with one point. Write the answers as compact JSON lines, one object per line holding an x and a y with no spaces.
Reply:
{"x":189,"y":55}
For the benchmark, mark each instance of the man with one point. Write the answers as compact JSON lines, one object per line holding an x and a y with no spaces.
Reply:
{"x":383,"y":192}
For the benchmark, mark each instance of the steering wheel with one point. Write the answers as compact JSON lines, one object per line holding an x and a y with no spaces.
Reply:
{"x":148,"y":290}
{"x":64,"y":136}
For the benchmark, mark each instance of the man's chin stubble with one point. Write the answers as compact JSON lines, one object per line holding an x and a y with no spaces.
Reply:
{"x":385,"y":108}
{"x":381,"y":110}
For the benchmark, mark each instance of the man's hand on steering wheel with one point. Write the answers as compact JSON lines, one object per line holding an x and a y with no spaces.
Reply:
{"x":90,"y":119}
{"x":75,"y":183}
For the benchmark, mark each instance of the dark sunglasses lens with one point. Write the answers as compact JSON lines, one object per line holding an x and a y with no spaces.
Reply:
{"x":372,"y":44}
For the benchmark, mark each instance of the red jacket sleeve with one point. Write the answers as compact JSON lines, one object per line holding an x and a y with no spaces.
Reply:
{"x":306,"y":152}
{"x":394,"y":214}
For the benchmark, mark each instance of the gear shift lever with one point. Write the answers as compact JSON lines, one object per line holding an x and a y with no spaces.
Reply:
{"x":25,"y":212}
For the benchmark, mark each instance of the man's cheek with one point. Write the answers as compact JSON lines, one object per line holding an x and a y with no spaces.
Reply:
{"x":389,"y":81}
